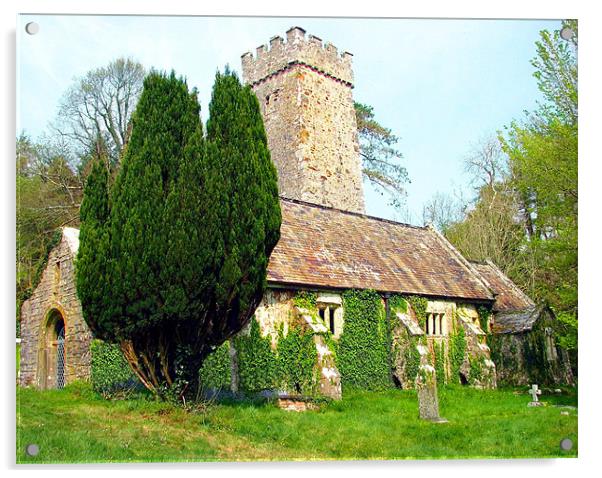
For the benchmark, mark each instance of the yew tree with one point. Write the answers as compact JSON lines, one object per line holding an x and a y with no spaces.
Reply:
{"x":177,"y":264}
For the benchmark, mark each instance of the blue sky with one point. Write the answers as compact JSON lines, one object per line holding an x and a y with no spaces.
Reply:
{"x":440,"y":85}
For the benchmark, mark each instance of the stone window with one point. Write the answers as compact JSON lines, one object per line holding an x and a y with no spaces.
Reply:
{"x":327,"y":315}
{"x":435,"y":324}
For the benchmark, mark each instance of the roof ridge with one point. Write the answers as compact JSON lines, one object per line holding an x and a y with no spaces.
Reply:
{"x":508,"y":281}
{"x":351,"y":213}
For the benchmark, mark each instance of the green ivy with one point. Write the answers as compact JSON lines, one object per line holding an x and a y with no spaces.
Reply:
{"x":216,"y":372}
{"x":110,"y":372}
{"x":290,"y":367}
{"x":297,"y":359}
{"x":419,"y":306}
{"x":457,"y":350}
{"x":398,"y":304}
{"x":440,"y":362}
{"x":495,"y":346}
{"x":476,"y":370}
{"x":306,"y":300}
{"x":484,"y":316}
{"x":257,"y":362}
{"x":412,"y":358}
{"x":362,"y":355}
{"x":406,"y":356}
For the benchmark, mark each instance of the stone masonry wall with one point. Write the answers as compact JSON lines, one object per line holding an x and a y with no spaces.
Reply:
{"x":532,"y":356}
{"x":407,"y":332}
{"x":305,"y":93}
{"x":56,"y":292}
{"x":277,"y":309}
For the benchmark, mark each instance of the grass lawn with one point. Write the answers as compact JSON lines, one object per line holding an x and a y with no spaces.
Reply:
{"x":76,"y":425}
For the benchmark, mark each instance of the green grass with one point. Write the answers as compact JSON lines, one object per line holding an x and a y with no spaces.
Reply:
{"x":76,"y":425}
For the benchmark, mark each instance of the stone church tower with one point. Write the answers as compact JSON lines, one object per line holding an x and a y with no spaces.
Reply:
{"x":304,"y":89}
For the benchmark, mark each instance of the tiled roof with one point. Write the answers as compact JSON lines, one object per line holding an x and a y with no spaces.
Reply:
{"x":330,"y":248}
{"x":508,"y":296}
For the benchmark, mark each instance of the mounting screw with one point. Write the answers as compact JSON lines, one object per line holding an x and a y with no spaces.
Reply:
{"x":32,"y":28}
{"x":566,"y":444}
{"x":567,"y":33}
{"x":32,"y":449}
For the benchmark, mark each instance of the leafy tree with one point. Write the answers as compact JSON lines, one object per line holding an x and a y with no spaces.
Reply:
{"x":525,"y":214}
{"x":51,"y":170}
{"x":91,"y":266}
{"x":100,"y":104}
{"x":380,"y":158}
{"x":48,"y":197}
{"x":184,"y":243}
{"x":556,"y":73}
{"x":543,"y":163}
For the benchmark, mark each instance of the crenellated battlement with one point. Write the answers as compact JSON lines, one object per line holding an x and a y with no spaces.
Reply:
{"x":304,"y":88}
{"x":297,"y":50}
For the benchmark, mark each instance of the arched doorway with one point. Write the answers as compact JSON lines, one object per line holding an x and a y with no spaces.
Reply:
{"x":51,"y":364}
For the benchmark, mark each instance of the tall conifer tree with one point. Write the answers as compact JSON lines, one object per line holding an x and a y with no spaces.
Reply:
{"x":92,"y":257}
{"x":245,"y":198}
{"x":191,"y":225}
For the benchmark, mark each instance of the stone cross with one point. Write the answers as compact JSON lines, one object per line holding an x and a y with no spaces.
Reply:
{"x":534,"y":391}
{"x":426,"y":387}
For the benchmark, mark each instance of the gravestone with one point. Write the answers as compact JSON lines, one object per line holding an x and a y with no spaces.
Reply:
{"x":426,"y":386}
{"x":534,"y":391}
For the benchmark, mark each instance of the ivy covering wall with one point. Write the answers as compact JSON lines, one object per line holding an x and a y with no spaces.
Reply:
{"x":419,"y":306}
{"x":457,"y":351}
{"x":257,"y":365}
{"x":290,"y":367}
{"x":216,"y":371}
{"x":362,"y":352}
{"x":110,"y":372}
{"x":447,"y":356}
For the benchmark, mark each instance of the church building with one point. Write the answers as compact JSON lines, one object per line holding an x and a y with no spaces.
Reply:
{"x":429,"y":292}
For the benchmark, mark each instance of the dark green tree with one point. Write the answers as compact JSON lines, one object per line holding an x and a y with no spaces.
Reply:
{"x":91,"y":265}
{"x":190,"y":227}
{"x":243,"y":199}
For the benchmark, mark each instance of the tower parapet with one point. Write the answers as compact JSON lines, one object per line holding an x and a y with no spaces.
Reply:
{"x":297,"y":49}
{"x":304,"y":89}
